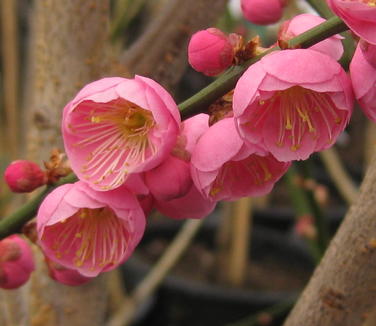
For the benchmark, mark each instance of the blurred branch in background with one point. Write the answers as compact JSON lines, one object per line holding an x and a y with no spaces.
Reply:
{"x":338,"y":174}
{"x":160,"y":269}
{"x":10,"y":68}
{"x":160,"y":53}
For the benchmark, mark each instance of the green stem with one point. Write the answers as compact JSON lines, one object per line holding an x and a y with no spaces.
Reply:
{"x":200,"y":101}
{"x":321,"y":7}
{"x":14,"y":222}
{"x":196,"y":104}
{"x":348,"y":43}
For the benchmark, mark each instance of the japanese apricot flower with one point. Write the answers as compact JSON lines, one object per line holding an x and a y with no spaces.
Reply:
{"x":16,"y":262}
{"x":89,"y":231}
{"x":363,"y":78}
{"x":359,"y":16}
{"x":117,"y":126}
{"x":293,"y":103}
{"x":223,"y":168}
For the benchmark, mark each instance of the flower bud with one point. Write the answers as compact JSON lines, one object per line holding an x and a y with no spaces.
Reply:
{"x":210,"y":51}
{"x":262,"y":12}
{"x":24,"y":176}
{"x":16,"y":262}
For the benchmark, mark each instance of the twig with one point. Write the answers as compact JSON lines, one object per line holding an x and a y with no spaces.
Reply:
{"x":14,"y":222}
{"x":200,"y":101}
{"x":157,"y":274}
{"x":240,"y":241}
{"x":192,"y":106}
{"x":10,"y":66}
{"x":337,"y":172}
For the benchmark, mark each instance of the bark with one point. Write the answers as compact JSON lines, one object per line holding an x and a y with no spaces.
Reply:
{"x":67,"y":49}
{"x":161,"y":53}
{"x":342,"y":289}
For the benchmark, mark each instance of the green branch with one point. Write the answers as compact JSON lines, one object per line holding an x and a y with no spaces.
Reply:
{"x":200,"y":102}
{"x":196,"y":104}
{"x":14,"y":222}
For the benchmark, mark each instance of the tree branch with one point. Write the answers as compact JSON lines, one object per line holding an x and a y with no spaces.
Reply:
{"x":161,"y":53}
{"x":342,"y":288}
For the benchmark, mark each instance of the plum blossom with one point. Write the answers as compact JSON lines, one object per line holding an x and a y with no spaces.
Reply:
{"x":369,"y":52}
{"x":115,"y":127}
{"x":224,"y":168}
{"x":16,"y":262}
{"x":210,"y":51}
{"x":299,"y":24}
{"x":363,"y":78}
{"x":64,"y":275}
{"x":89,"y":231}
{"x":359,"y":16}
{"x":293,"y":112}
{"x":262,"y":12}
{"x":191,"y":203}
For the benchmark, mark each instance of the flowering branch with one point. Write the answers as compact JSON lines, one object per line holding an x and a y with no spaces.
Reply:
{"x":196,"y":104}
{"x":200,"y":101}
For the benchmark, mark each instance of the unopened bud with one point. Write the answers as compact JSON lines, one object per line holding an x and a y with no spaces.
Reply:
{"x":24,"y":176}
{"x":210,"y":51}
{"x":262,"y":12}
{"x":16,"y":262}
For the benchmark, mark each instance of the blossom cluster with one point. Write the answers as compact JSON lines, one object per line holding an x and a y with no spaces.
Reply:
{"x":131,"y":152}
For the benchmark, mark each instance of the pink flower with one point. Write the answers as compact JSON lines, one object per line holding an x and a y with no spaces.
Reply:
{"x":65,"y":275}
{"x":359,"y":15}
{"x":369,"y":52}
{"x":191,"y":203}
{"x":210,"y":51}
{"x":169,"y":180}
{"x":293,"y":112}
{"x":24,"y":176}
{"x":89,"y":231}
{"x":16,"y":262}
{"x":331,"y":46}
{"x":262,"y":12}
{"x":363,"y":78}
{"x":224,"y":168}
{"x":115,"y":127}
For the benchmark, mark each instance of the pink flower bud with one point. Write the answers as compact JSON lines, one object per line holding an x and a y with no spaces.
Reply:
{"x":210,"y":51}
{"x":369,"y":52}
{"x":16,"y":262}
{"x":262,"y":12}
{"x":24,"y":176}
{"x":65,"y":275}
{"x":169,"y":180}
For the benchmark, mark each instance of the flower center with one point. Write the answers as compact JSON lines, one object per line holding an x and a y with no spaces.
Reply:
{"x":300,"y":110}
{"x":93,"y":238}
{"x":116,"y":137}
